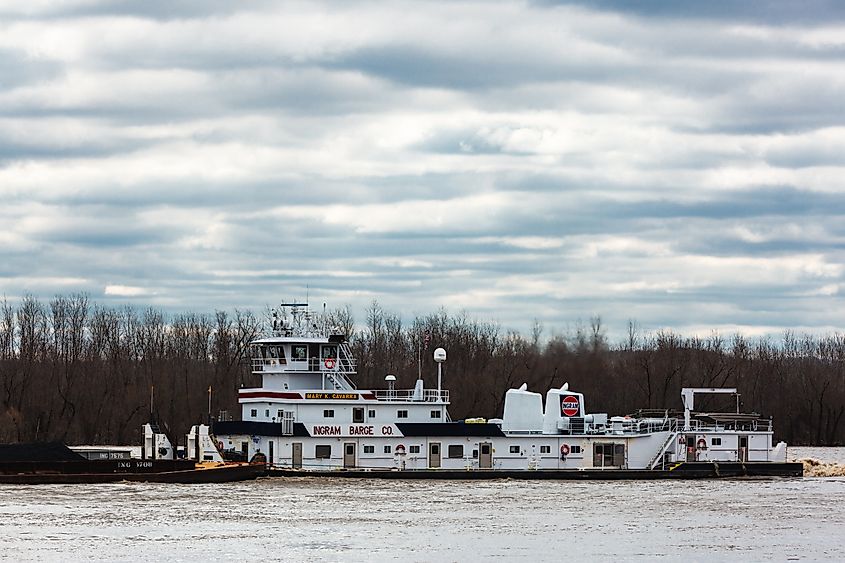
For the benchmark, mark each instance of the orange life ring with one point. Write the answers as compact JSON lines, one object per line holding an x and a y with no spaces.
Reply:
{"x":702,"y":444}
{"x":564,"y":449}
{"x":329,"y":362}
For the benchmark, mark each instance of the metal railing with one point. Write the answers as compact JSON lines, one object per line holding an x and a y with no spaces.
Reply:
{"x":404,"y":395}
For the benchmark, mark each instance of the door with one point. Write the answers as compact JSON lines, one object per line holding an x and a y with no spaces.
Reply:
{"x":691,"y":450}
{"x":296,"y":460}
{"x":349,"y":455}
{"x":485,"y":455}
{"x":434,"y":455}
{"x":270,"y":452}
{"x":743,"y":448}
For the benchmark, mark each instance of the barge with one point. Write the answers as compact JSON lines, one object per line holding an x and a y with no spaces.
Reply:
{"x":56,"y":463}
{"x":309,"y":418}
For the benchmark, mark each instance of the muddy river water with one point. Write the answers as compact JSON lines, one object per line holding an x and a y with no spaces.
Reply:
{"x":310,"y":519}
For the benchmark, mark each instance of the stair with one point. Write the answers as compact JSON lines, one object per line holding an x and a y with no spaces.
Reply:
{"x":669,"y":440}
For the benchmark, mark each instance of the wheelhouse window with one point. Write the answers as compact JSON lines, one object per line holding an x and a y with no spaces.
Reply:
{"x":455,"y":451}
{"x":435,"y":414}
{"x":299,"y":352}
{"x":328,"y":413}
{"x":715,"y":441}
{"x":514,"y":449}
{"x":371,"y":413}
{"x":328,"y":352}
{"x":323,"y":452}
{"x":274,"y":354}
{"x":402,"y":414}
{"x":358,"y":414}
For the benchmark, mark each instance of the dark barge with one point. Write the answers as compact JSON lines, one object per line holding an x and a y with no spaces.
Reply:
{"x":54,"y":463}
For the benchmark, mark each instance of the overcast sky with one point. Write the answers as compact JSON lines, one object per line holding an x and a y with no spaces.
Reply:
{"x":682,"y":166}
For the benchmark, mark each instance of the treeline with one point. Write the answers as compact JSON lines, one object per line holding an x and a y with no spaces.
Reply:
{"x":84,"y":373}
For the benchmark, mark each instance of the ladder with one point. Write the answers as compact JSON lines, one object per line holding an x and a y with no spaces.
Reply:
{"x":673,"y":433}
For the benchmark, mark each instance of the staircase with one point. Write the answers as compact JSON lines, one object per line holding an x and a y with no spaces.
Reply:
{"x":670,"y":439}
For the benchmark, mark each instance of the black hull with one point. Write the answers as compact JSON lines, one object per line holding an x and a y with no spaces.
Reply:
{"x":697,"y":470}
{"x":158,"y":471}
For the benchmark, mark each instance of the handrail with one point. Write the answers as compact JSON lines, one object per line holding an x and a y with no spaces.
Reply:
{"x":405,"y":395}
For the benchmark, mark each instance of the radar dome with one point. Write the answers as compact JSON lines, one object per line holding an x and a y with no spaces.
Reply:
{"x":440,"y":355}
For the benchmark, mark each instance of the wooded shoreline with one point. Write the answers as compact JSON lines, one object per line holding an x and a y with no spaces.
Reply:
{"x":80,"y":372}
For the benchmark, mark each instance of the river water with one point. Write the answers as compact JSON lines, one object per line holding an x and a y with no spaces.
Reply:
{"x":374,"y":520}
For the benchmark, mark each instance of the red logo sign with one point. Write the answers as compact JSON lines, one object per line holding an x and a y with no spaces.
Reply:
{"x":569,"y":405}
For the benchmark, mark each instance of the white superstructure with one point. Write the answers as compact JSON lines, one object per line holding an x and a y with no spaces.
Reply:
{"x":309,"y":414}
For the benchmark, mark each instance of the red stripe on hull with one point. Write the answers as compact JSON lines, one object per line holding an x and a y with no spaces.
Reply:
{"x":268,"y":395}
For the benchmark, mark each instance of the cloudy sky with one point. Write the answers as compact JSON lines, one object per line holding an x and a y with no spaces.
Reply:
{"x":682,"y":166}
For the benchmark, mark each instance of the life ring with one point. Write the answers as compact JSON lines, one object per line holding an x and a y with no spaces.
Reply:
{"x":702,"y":444}
{"x":329,"y":363}
{"x":400,"y":449}
{"x":564,"y":449}
{"x":219,"y":445}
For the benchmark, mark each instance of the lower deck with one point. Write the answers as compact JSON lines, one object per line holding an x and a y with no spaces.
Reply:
{"x":504,"y":452}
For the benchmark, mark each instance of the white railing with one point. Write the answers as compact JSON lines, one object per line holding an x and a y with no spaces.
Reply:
{"x":404,"y":395}
{"x":345,"y":365}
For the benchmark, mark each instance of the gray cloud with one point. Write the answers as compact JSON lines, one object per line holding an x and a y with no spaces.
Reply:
{"x":677,"y":164}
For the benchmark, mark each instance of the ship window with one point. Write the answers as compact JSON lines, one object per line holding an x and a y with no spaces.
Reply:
{"x":253,"y":413}
{"x":575,"y":449}
{"x":279,"y":414}
{"x":414,"y":449}
{"x":608,"y":455}
{"x":716,"y":441}
{"x":545,"y":449}
{"x":299,"y":352}
{"x":474,"y":454}
{"x":369,"y":449}
{"x":358,"y":414}
{"x":371,"y":413}
{"x":328,"y":413}
{"x":323,"y":452}
{"x":514,"y":449}
{"x":387,"y":449}
{"x":435,"y":414}
{"x":402,"y":414}
{"x":266,"y":413}
{"x":455,"y":451}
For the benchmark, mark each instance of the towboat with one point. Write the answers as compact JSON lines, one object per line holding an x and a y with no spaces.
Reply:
{"x":309,"y":418}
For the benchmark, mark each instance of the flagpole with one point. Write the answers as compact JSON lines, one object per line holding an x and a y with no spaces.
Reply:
{"x":209,"y":405}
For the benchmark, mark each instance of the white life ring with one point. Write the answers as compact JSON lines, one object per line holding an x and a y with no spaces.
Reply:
{"x":702,"y":444}
{"x":329,"y":363}
{"x":400,"y":449}
{"x":564,"y":449}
